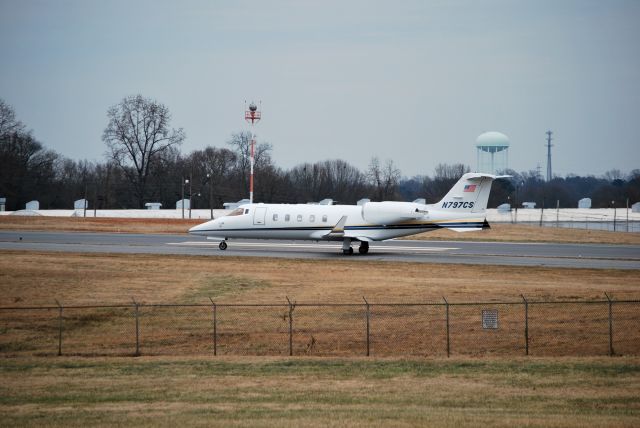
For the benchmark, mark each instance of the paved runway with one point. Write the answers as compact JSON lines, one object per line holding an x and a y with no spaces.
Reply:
{"x":494,"y":253}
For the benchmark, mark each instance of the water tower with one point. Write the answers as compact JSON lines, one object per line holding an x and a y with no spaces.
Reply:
{"x":493,"y":152}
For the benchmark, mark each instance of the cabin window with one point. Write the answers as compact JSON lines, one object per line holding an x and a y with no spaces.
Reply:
{"x":275,"y":217}
{"x":324,"y":218}
{"x":312,"y":218}
{"x":237,"y":211}
{"x":287,"y":217}
{"x":246,"y":211}
{"x":299,"y":217}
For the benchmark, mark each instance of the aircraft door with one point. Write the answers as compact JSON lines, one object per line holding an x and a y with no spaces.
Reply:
{"x":259,"y":215}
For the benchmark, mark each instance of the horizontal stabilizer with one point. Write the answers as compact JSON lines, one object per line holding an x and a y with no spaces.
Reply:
{"x":470,"y":226}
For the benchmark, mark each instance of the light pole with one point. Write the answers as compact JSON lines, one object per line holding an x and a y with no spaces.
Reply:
{"x":210,"y":179}
{"x":613,"y":204}
{"x":516,"y":202}
{"x":182,"y":200}
{"x":189,"y":196}
{"x":517,"y":187}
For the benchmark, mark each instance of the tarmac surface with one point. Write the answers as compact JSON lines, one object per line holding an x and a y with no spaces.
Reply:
{"x":457,"y":252}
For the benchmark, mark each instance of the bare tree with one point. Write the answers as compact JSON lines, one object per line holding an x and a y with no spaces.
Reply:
{"x":444,"y":178}
{"x":138,"y":131}
{"x":210,"y":170}
{"x":384,"y":178}
{"x":613,"y":175}
{"x":241,"y":143}
{"x":8,"y":122}
{"x":451,"y":172}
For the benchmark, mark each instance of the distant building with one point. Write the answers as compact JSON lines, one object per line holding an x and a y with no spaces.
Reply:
{"x":635,"y":208}
{"x":32,"y":206}
{"x":154,"y":205}
{"x":80,"y":204}
{"x":584,"y":203}
{"x":3,"y":203}
{"x":504,"y":208}
{"x":528,"y":205}
{"x":183,"y":202}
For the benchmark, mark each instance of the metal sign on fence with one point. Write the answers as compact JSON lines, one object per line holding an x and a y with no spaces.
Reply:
{"x":490,"y":319}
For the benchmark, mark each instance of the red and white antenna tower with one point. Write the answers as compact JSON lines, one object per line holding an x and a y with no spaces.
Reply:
{"x":252,"y":116}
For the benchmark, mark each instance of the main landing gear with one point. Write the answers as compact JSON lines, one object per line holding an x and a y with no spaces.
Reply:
{"x":347,"y":250}
{"x":222,"y":245}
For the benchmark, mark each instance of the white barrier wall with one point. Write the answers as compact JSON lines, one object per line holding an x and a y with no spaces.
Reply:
{"x":493,"y":215}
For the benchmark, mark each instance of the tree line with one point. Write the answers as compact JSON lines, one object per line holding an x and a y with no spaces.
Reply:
{"x":144,"y":164}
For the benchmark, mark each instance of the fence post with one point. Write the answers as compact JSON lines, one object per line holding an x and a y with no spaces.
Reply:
{"x":135,"y":309}
{"x":526,"y":325}
{"x":368,"y":315}
{"x":447,"y":311}
{"x":610,"y":324}
{"x":290,"y":327}
{"x":215,"y":327}
{"x":59,"y":328}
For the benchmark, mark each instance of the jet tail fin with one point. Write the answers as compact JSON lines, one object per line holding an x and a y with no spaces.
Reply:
{"x":470,"y":194}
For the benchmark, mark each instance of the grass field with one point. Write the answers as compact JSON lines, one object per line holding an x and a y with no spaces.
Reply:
{"x":38,"y":278}
{"x":500,"y":232}
{"x":272,"y":391}
{"x":311,"y":392}
{"x":41,"y":279}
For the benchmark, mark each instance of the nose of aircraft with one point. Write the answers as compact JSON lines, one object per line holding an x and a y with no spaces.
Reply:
{"x":200,"y":228}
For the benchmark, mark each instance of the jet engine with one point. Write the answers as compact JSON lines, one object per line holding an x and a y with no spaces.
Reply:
{"x":391,"y":212}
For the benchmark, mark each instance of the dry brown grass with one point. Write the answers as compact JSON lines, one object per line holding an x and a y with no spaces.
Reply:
{"x":91,"y":224}
{"x":84,"y":279}
{"x":36,"y":278}
{"x":498,"y":232}
{"x":501,"y":232}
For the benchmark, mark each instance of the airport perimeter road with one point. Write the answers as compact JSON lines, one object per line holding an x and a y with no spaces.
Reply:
{"x":513,"y":254}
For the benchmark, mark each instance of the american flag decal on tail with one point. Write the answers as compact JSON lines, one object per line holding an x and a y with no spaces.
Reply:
{"x":470,"y":188}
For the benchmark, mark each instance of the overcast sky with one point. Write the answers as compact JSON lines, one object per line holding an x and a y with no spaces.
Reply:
{"x":412,"y":81}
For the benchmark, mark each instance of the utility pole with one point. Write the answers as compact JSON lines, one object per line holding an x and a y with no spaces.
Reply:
{"x":549,"y":145}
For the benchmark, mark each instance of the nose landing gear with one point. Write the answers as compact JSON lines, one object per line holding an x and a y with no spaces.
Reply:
{"x":222,"y":245}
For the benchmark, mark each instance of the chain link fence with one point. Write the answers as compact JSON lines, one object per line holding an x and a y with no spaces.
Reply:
{"x":542,"y":328}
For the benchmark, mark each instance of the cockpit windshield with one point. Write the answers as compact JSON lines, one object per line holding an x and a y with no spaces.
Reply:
{"x":237,"y":211}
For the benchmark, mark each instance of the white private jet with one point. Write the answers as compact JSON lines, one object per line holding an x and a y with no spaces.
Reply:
{"x":462,"y":209}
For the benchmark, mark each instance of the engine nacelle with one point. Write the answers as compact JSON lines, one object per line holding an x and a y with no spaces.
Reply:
{"x":391,"y":212}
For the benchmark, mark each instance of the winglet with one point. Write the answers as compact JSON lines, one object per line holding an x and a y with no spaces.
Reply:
{"x":338,"y":229}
